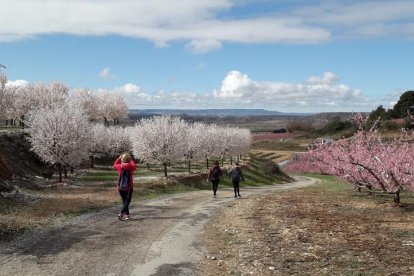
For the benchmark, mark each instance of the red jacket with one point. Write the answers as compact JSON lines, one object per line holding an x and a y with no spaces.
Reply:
{"x":131,"y":167}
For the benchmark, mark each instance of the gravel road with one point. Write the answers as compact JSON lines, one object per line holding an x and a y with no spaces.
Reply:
{"x":160,"y":239}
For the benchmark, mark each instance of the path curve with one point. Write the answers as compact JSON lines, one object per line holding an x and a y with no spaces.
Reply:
{"x":161,"y":239}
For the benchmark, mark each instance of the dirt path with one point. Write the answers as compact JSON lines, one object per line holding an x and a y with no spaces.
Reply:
{"x":161,"y":239}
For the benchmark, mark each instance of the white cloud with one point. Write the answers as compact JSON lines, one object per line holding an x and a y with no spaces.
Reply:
{"x":327,"y":78}
{"x":201,"y":23}
{"x":197,"y":22}
{"x":203,"y":46}
{"x":126,"y":89}
{"x":370,"y":18}
{"x":316,"y":92}
{"x":18,"y":83}
{"x":106,"y":74}
{"x":238,"y":90}
{"x":234,"y":85}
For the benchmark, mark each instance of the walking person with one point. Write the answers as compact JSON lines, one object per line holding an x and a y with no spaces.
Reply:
{"x":125,"y":167}
{"x":214,"y":175}
{"x":236,"y":176}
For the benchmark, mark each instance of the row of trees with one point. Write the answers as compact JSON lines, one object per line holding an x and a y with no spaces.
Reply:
{"x":17,"y":101}
{"x":403,"y":109}
{"x":366,"y":160}
{"x":167,"y":139}
{"x":63,"y":136}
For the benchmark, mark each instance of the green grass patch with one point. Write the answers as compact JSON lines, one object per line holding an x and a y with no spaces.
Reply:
{"x":275,"y":145}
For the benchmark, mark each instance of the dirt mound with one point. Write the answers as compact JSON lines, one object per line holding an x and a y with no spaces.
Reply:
{"x":17,"y":162}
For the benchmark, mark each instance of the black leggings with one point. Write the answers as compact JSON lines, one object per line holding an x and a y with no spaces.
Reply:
{"x":126,"y":200}
{"x":215,"y":185}
{"x":236,"y":185}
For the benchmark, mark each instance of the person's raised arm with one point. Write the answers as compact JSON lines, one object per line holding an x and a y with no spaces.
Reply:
{"x":133,"y":165}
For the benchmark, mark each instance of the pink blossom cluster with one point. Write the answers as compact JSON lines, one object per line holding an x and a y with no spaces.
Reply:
{"x":365,"y":160}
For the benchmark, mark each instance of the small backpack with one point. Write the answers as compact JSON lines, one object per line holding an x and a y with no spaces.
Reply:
{"x":236,"y":175}
{"x":215,"y":175}
{"x":124,"y":180}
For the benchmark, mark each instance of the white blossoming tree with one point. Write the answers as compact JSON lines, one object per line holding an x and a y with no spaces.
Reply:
{"x":194,"y":143}
{"x":112,"y":107}
{"x":60,"y":135}
{"x":161,"y":140}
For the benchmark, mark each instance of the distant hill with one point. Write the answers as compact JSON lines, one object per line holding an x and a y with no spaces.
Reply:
{"x":210,"y":112}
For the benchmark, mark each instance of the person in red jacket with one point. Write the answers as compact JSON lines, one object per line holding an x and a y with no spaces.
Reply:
{"x":125,"y":167}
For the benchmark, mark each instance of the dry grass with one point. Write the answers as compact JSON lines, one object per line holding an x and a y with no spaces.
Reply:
{"x":328,"y":230}
{"x":51,"y":206}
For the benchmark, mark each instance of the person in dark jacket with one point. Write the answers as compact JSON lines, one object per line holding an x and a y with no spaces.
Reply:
{"x":124,"y":164}
{"x":236,"y":176}
{"x":214,"y":175}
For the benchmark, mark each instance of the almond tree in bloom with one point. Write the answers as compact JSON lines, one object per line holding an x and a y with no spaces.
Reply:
{"x":160,"y":139}
{"x":210,"y":141}
{"x":366,"y":161}
{"x":194,"y":143}
{"x":100,"y":142}
{"x":112,"y":107}
{"x":109,"y":141}
{"x":26,"y":98}
{"x":88,"y":102}
{"x":243,"y":142}
{"x":3,"y":104}
{"x":60,"y":135}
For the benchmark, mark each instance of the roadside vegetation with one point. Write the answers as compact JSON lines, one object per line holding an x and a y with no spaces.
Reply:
{"x":328,"y":229}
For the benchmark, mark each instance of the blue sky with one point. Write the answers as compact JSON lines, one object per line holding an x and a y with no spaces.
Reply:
{"x":286,"y":55}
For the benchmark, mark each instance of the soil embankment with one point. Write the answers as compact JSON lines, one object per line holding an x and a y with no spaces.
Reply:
{"x":16,"y":159}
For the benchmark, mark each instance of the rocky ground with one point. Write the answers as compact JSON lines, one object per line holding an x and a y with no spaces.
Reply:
{"x":311,"y":232}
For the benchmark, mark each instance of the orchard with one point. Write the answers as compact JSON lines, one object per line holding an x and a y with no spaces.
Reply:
{"x":65,"y":129}
{"x":366,"y":160}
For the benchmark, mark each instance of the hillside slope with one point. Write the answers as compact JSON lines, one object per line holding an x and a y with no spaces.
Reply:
{"x":17,"y":162}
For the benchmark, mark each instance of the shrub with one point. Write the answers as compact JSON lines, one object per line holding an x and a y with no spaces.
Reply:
{"x":293,"y":126}
{"x":271,"y":168}
{"x":391,"y":125}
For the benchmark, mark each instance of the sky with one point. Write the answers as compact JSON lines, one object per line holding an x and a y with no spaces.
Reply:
{"x":282,"y":55}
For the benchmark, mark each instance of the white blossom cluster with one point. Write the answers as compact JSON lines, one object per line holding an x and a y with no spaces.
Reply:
{"x":16,"y":101}
{"x":167,"y":139}
{"x":62,"y":135}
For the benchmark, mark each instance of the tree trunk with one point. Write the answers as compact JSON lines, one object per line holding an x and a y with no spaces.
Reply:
{"x":231,"y":160}
{"x":106,"y":123}
{"x":370,"y":190}
{"x":189,"y":166}
{"x":114,"y":121}
{"x":165,"y":169}
{"x":207,"y":163}
{"x":397,"y":197}
{"x":222,"y":162}
{"x":22,"y":121}
{"x":148,"y":167}
{"x":7,"y":122}
{"x":72,"y":169}
{"x":92,"y":163}
{"x":60,"y":173}
{"x":65,"y":171}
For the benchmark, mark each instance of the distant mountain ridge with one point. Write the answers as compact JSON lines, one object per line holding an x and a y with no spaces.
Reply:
{"x":210,"y":112}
